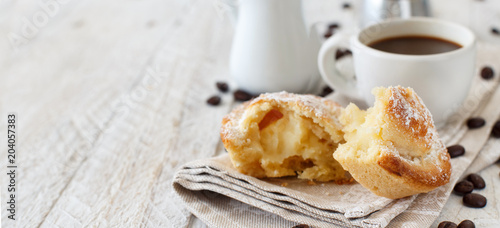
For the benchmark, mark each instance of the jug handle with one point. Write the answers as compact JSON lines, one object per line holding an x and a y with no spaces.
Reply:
{"x":314,"y":34}
{"x":228,"y":7}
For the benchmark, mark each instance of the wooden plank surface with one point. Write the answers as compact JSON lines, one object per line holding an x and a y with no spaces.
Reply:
{"x":110,"y":98}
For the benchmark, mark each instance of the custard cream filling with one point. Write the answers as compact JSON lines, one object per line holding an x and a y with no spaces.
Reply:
{"x":292,"y":144}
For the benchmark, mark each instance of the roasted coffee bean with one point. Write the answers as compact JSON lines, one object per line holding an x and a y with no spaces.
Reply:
{"x":222,"y":86}
{"x":476,"y":180}
{"x":346,"y":5}
{"x":326,"y":90}
{"x":213,"y":100}
{"x":466,"y":224}
{"x":495,"y":31}
{"x":474,"y":200}
{"x":463,"y":187}
{"x":487,"y":73}
{"x":340,"y":53}
{"x":447,"y":224}
{"x":333,"y":26}
{"x":456,"y":151}
{"x":475,"y":122}
{"x":241,"y":95}
{"x":495,"y":132}
{"x":301,"y":226}
{"x":328,"y":34}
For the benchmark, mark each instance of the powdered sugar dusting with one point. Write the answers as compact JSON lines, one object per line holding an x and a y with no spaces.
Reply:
{"x":310,"y":102}
{"x":408,"y":112}
{"x":311,"y":106}
{"x":404,"y":102}
{"x":407,"y":109}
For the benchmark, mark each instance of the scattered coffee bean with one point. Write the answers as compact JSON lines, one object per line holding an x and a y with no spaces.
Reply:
{"x":495,"y":132}
{"x":447,"y":224}
{"x":241,"y":95}
{"x":475,"y":122}
{"x":495,"y":31}
{"x":487,"y":73}
{"x":333,"y":26}
{"x":222,"y":86}
{"x":328,"y":34}
{"x":214,"y":100}
{"x":331,"y":30}
{"x":301,"y":226}
{"x":456,"y":151}
{"x":326,"y":90}
{"x":466,"y":224}
{"x":476,"y":180}
{"x":474,"y":200}
{"x":463,"y":187}
{"x":340,"y":53}
{"x":346,"y":5}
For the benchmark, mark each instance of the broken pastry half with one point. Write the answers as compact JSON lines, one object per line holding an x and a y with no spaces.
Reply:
{"x":393,"y":148}
{"x":283,"y":134}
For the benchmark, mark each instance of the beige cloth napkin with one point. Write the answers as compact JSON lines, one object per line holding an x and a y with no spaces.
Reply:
{"x":212,"y":188}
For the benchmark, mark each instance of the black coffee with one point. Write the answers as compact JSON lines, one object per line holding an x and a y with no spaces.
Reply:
{"x":414,"y":45}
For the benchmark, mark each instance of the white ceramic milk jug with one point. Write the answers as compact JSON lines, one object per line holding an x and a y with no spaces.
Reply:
{"x":273,"y":50}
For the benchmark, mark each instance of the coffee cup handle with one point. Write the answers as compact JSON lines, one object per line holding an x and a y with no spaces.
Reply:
{"x":333,"y":77}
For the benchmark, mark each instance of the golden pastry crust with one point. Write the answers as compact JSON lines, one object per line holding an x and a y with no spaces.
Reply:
{"x":393,"y":149}
{"x":283,"y":134}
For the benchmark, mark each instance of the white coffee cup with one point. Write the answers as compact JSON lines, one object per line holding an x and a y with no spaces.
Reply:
{"x":441,"y":80}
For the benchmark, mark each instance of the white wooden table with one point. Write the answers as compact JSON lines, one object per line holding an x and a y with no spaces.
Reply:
{"x":110,"y":100}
